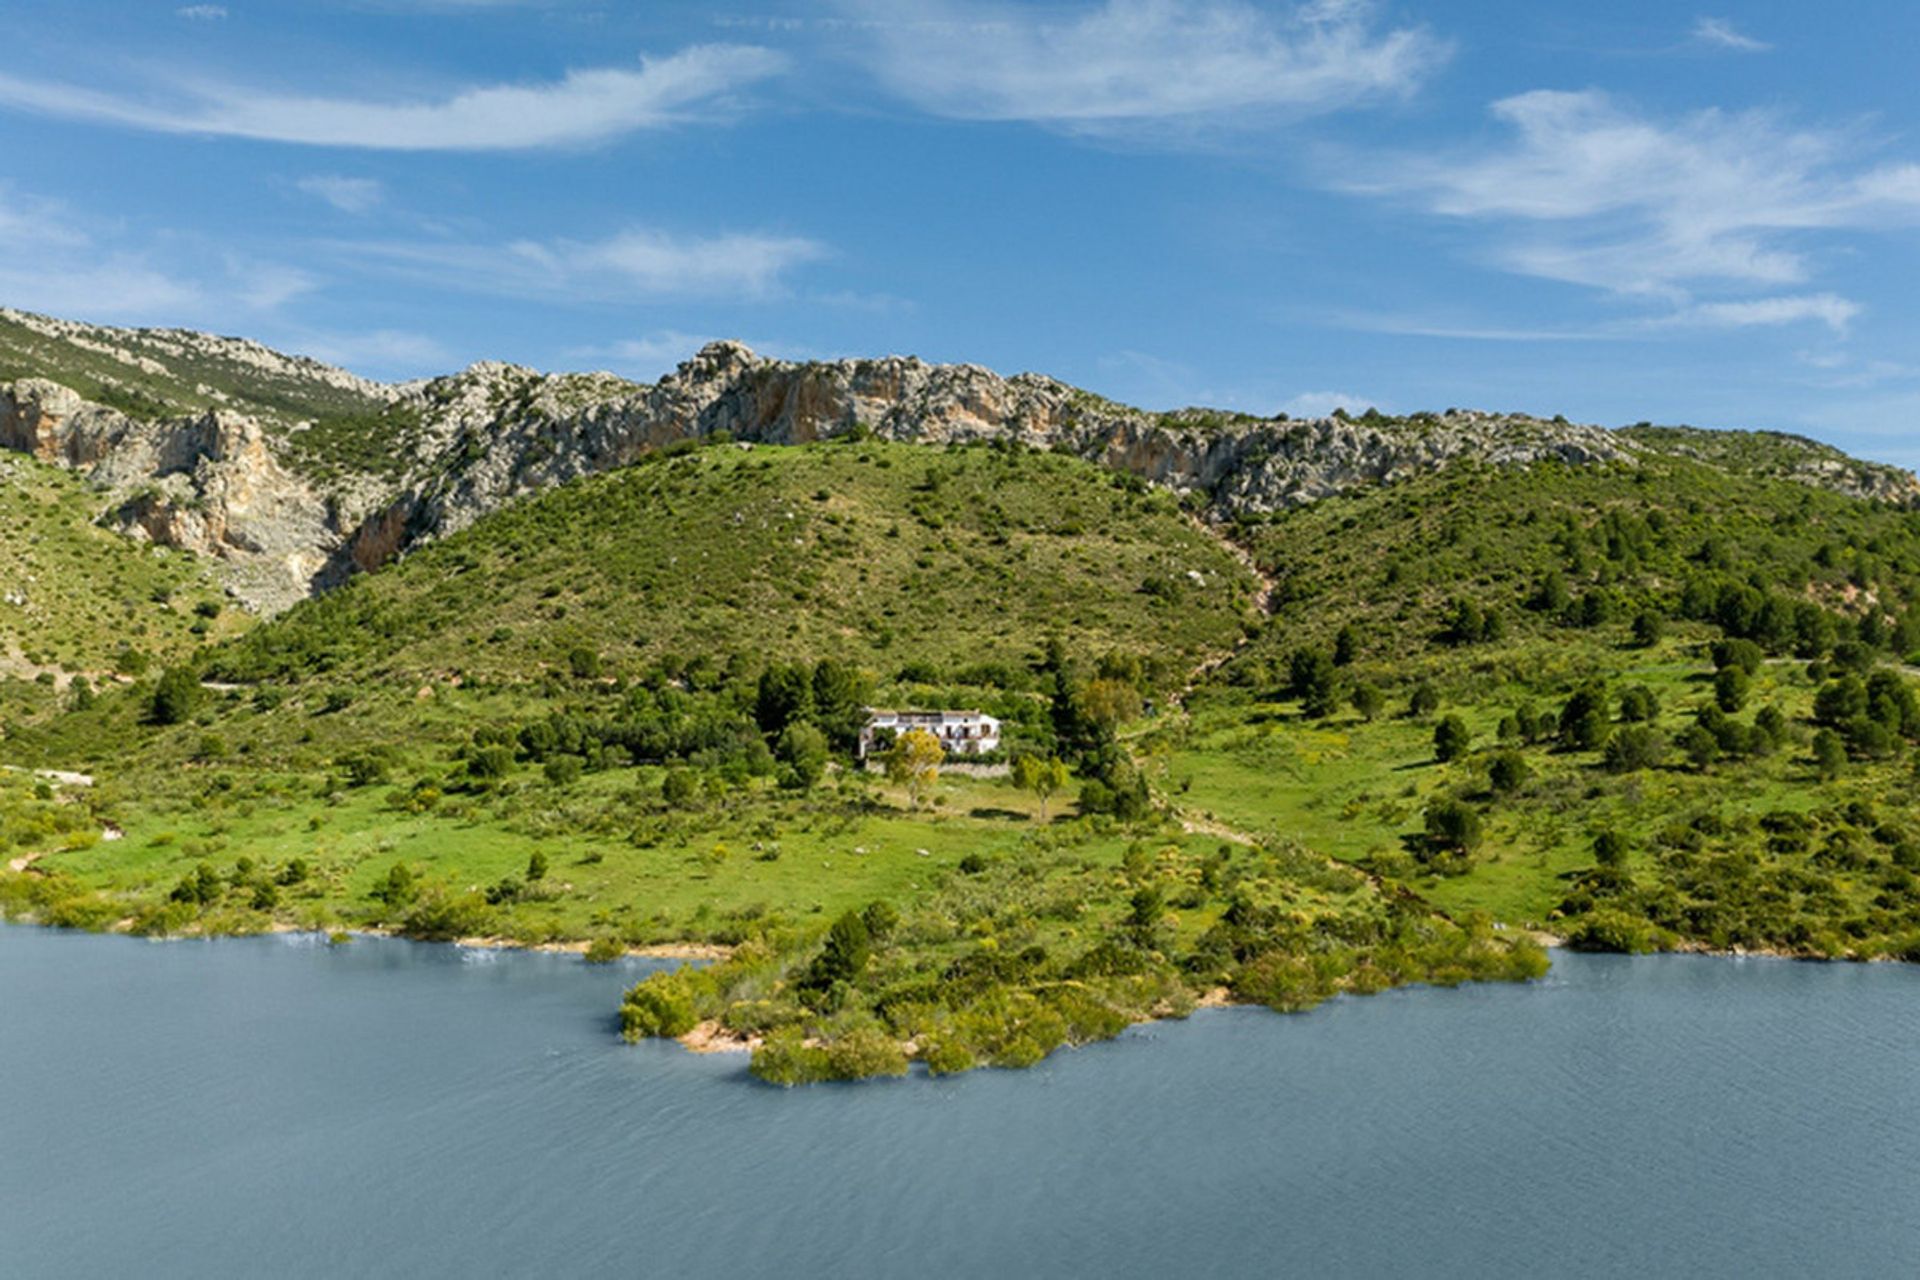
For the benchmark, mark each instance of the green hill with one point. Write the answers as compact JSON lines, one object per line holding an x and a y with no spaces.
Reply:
{"x":1681,"y":708}
{"x":77,"y":599}
{"x":1658,"y":697}
{"x":882,"y":554}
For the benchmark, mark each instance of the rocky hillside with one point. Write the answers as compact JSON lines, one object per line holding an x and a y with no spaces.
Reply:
{"x":296,"y":475}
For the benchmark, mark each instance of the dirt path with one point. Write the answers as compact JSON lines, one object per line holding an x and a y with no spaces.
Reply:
{"x":1262,"y":601}
{"x":65,"y":777}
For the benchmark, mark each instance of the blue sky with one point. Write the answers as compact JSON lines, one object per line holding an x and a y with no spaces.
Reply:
{"x":1617,"y":212}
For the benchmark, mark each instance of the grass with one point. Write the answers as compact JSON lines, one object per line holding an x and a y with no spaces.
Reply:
{"x":73,"y":595}
{"x":887,"y":555}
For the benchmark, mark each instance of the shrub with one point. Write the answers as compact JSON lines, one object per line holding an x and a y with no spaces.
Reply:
{"x":604,"y":950}
{"x":1507,"y":771}
{"x":786,"y":1059}
{"x":1451,"y":739}
{"x":1634,"y":747}
{"x":176,"y":695}
{"x":441,"y":917}
{"x":661,"y":1004}
{"x":1452,"y":826}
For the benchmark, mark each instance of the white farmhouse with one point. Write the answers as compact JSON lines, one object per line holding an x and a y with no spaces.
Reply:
{"x":962,"y":733}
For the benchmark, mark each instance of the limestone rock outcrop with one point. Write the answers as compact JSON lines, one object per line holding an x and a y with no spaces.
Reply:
{"x":245,"y":487}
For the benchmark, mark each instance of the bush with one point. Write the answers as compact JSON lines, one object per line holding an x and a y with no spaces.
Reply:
{"x":604,"y":950}
{"x":1451,"y":739}
{"x":1452,"y":826}
{"x":786,"y":1059}
{"x":442,"y":917}
{"x":1634,"y":747}
{"x":662,"y":1004}
{"x":1507,"y":771}
{"x":176,"y":695}
{"x":864,"y":1052}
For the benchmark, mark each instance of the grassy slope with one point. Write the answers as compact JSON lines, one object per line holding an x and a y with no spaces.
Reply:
{"x":87,"y":591}
{"x":172,"y":381}
{"x":1389,"y":563}
{"x":882,"y":554}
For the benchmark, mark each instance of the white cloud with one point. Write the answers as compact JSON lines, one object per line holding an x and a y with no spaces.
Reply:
{"x":1589,"y":192}
{"x":1132,"y":62}
{"x":56,"y":260}
{"x":1320,"y":404}
{"x":1829,"y":309}
{"x":583,"y":107}
{"x":202,"y":12}
{"x":649,"y":356}
{"x":639,"y":262}
{"x":380,"y":352}
{"x":349,"y":195}
{"x":1722,"y":34}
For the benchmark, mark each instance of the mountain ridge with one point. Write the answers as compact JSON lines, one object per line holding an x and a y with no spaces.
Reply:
{"x":295,"y":475}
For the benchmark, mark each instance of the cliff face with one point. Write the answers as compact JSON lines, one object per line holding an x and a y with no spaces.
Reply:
{"x":208,"y":483}
{"x":244,"y":489}
{"x":1235,"y":465}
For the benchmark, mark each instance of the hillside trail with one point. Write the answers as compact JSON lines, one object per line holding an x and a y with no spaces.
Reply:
{"x":1262,"y":602}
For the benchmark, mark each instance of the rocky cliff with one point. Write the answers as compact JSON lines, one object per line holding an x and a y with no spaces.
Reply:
{"x":246,"y":486}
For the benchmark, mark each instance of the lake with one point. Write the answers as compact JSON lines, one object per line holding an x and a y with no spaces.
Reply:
{"x":276,"y":1106}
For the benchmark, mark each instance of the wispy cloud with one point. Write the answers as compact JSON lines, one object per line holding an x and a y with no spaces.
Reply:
{"x":1722,"y":34}
{"x":1829,"y":309}
{"x":1589,"y":192}
{"x":201,"y":12}
{"x":379,"y":352}
{"x":637,"y":263}
{"x":56,"y":259}
{"x":583,"y":107}
{"x":349,"y":195}
{"x":1127,"y":63}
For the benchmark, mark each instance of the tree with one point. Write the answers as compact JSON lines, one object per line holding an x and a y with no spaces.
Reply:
{"x":785,"y":695}
{"x":1346,"y":647}
{"x":1110,"y":703}
{"x":803,"y":749}
{"x":679,"y":787}
{"x":840,"y":693}
{"x":1042,"y":777}
{"x":1583,"y":721}
{"x":584,"y":663}
{"x":536,"y":866}
{"x":1701,"y":747}
{"x":1452,"y":826}
{"x":848,"y":948}
{"x":1610,"y":849}
{"x":914,"y":761}
{"x":1638,"y":704}
{"x":1648,"y":629}
{"x":175,"y":696}
{"x":1829,"y":754}
{"x":1368,"y":701}
{"x":1424,"y":701}
{"x":1312,"y":678}
{"x":1730,"y":686}
{"x":1451,"y":738}
{"x":1507,"y":771}
{"x":1634,"y":747}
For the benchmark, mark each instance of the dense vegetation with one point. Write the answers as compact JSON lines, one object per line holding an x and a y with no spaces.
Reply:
{"x":887,"y":554}
{"x":1655,"y":706}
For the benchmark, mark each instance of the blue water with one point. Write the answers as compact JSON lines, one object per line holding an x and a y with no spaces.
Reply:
{"x":278,"y":1107}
